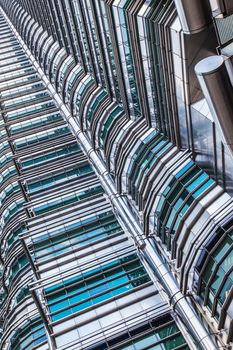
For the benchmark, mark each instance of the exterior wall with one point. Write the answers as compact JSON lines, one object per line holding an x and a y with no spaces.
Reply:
{"x":57,"y":226}
{"x":123,"y":71}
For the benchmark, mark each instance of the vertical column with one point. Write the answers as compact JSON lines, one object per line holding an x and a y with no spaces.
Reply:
{"x":194,"y":15}
{"x":217,"y":88}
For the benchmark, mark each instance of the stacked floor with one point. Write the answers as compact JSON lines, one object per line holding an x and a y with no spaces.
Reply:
{"x":104,"y":217}
{"x":68,"y":266}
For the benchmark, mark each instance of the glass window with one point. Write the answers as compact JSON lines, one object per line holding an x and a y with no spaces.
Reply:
{"x":28,"y":336}
{"x":67,"y":199}
{"x":216,"y":278}
{"x":95,"y":286}
{"x":16,"y":102}
{"x":35,"y":123}
{"x":26,"y":111}
{"x":58,"y":178}
{"x":41,"y":136}
{"x":97,"y":100}
{"x":36,"y":160}
{"x":69,"y":239}
{"x":20,"y":263}
{"x":111,"y":118}
{"x":83,"y":87}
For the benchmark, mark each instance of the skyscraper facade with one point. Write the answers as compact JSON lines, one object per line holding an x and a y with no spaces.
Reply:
{"x":116,"y":174}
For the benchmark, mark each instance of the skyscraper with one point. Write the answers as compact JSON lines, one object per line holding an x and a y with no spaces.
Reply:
{"x":116,"y":174}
